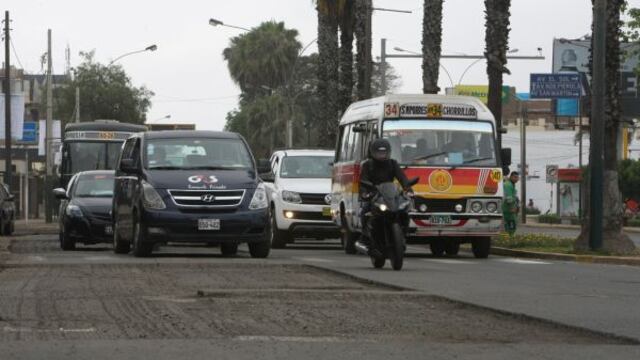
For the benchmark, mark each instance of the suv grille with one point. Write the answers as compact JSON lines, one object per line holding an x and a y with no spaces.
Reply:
{"x":207,"y":198}
{"x":313,"y":199}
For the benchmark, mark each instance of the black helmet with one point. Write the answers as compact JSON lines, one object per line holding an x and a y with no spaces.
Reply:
{"x":380,"y":149}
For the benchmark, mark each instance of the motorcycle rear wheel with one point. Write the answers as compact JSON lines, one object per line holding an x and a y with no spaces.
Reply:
{"x":397,"y":251}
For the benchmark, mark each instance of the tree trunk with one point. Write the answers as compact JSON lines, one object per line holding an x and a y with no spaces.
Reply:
{"x":328,"y":77}
{"x":364,"y":64}
{"x":431,"y":45}
{"x":497,"y":43}
{"x":345,"y":89}
{"x":614,"y":239}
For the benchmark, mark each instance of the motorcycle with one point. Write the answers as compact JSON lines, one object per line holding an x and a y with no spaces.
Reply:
{"x":387,"y":222}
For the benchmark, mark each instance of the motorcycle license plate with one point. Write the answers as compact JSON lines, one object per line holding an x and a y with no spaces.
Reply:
{"x":326,"y":211}
{"x":108,"y":230}
{"x":208,"y":224}
{"x":441,"y":220}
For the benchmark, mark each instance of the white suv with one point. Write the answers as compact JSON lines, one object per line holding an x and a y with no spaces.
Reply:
{"x":299,"y":188}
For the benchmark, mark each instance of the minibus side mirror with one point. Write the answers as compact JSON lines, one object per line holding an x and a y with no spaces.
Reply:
{"x":505,"y":155}
{"x":129,"y":166}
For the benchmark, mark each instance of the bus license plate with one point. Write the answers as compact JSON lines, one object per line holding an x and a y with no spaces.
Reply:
{"x":208,"y":224}
{"x":326,"y":211}
{"x":441,"y":220}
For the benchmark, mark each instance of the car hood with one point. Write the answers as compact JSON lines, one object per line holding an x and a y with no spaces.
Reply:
{"x":94,"y":206}
{"x":305,"y":186}
{"x":202,"y":179}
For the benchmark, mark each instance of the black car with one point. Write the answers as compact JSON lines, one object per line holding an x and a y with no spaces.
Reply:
{"x":85,"y":209}
{"x":7,"y":211}
{"x":189,"y":186}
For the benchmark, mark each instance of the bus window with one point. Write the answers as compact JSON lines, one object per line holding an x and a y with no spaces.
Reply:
{"x":343,"y":149}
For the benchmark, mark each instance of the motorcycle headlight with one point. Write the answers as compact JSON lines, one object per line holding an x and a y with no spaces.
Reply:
{"x":492,"y":207}
{"x":150,"y":198}
{"x":291,"y":197}
{"x":476,"y":206}
{"x":259,"y":200}
{"x":382,"y":207}
{"x":74,"y":211}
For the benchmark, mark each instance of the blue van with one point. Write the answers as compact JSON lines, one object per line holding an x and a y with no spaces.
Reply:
{"x":189,"y":186}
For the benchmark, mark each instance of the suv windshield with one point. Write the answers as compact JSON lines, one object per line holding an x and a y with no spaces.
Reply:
{"x":306,"y":167}
{"x":441,"y":142}
{"x":199,"y":153}
{"x":94,"y":186}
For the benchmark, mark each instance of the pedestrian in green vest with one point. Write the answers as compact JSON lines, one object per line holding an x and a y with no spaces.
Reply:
{"x":510,"y":203}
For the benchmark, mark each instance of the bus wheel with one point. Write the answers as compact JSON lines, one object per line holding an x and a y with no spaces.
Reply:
{"x":481,"y":247}
{"x":452,"y":247}
{"x":347,"y":238}
{"x":437,"y":247}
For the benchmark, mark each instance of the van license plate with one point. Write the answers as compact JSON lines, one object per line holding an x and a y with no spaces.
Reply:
{"x":440,"y":220}
{"x":326,"y":211}
{"x":208,"y":224}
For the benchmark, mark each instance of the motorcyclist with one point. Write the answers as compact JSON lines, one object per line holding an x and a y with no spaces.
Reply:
{"x":377,"y":169}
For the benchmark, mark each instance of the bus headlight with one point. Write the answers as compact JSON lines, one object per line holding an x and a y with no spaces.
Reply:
{"x":476,"y":206}
{"x":492,"y":207}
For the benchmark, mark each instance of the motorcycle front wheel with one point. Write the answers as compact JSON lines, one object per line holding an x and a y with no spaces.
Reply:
{"x":377,"y":262}
{"x":397,"y":252}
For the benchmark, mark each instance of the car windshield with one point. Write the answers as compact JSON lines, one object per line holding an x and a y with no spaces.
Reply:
{"x":317,"y":167}
{"x":84,"y":156}
{"x":441,"y":142}
{"x":100,"y":185}
{"x":197,"y":153}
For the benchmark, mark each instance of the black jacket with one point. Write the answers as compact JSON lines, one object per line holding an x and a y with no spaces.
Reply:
{"x":378,"y":172}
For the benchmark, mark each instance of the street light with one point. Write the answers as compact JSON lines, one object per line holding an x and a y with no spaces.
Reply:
{"x":148,"y":48}
{"x":162,"y":118}
{"x":512,"y":51}
{"x":215,"y":22}
{"x":416,"y":53}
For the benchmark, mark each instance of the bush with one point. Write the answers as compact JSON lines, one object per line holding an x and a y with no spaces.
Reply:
{"x":539,"y":241}
{"x":532,"y":210}
{"x":633,"y":223}
{"x":549,"y":219}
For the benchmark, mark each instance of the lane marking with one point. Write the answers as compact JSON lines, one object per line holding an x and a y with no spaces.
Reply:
{"x":63,"y":330}
{"x":523,"y":262}
{"x":452,"y":261}
{"x":298,"y":339}
{"x":99,"y":258}
{"x":169,"y":299}
{"x":313,"y":259}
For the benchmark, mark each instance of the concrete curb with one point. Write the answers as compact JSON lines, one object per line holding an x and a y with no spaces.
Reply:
{"x":570,"y":227}
{"x":588,"y":259}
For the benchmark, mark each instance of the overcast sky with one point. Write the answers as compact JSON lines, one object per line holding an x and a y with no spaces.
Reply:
{"x":190,"y":78}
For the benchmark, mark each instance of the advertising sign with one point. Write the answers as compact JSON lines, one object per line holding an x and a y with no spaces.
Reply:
{"x":552,"y":174}
{"x":573,"y":56}
{"x":481,"y":92}
{"x":30,"y":132}
{"x":17,"y":116}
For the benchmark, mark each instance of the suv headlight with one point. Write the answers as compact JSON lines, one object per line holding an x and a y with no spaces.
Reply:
{"x":259,"y":200}
{"x":291,"y":197}
{"x":74,"y":211}
{"x":150,"y":198}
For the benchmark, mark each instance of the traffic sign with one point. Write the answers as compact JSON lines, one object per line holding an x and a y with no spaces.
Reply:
{"x":29,"y":132}
{"x":552,"y":174}
{"x":555,"y":86}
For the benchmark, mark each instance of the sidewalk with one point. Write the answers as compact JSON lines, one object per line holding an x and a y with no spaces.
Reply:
{"x":532,"y":221}
{"x":35,"y":227}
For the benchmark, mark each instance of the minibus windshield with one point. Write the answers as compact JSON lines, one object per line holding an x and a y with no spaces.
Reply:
{"x":197,"y":153}
{"x":441,"y":142}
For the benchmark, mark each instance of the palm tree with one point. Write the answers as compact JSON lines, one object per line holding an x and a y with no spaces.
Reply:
{"x":346,"y":19}
{"x":497,"y":43}
{"x":364,"y":64}
{"x":328,"y":72}
{"x":614,"y":239}
{"x":431,"y":45}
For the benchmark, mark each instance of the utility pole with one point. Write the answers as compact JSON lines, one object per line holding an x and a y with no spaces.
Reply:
{"x":596,"y":159}
{"x":77,"y":104}
{"x":523,"y":161}
{"x":49,"y":133}
{"x":7,"y":102}
{"x":383,"y":66}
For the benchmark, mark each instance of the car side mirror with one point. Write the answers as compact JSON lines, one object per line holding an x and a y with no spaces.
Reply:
{"x":505,"y":155}
{"x":129,"y":166}
{"x":268,"y":177}
{"x":60,"y":193}
{"x":264,"y":166}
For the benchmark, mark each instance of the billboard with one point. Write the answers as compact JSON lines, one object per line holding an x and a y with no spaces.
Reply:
{"x":17,"y":116}
{"x":481,"y":92}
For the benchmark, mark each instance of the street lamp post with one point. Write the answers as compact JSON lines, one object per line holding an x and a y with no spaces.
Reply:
{"x":216,"y":22}
{"x":416,"y":53}
{"x":148,"y":48}
{"x":513,"y":51}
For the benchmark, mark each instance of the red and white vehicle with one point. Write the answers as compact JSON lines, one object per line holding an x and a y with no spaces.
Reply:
{"x":447,"y":141}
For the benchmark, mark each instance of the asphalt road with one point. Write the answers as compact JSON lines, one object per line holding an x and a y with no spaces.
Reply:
{"x":188,"y":302}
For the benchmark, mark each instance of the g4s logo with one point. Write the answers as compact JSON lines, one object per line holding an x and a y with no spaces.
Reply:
{"x":204,"y":179}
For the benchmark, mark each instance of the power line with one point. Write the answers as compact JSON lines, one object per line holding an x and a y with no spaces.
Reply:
{"x":15,"y":53}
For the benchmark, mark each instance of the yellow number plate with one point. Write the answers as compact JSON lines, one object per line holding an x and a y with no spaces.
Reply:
{"x":434,"y":110}
{"x":106,"y":135}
